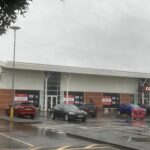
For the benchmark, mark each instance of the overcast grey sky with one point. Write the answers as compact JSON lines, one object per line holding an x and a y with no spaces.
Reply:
{"x":105,"y":34}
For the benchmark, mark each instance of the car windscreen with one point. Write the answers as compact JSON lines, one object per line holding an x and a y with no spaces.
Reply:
{"x":79,"y":105}
{"x":70,"y":107}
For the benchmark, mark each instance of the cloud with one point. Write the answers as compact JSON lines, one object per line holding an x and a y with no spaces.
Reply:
{"x":105,"y":34}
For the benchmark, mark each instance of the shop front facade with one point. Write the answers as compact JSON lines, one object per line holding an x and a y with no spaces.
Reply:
{"x":47,"y":85}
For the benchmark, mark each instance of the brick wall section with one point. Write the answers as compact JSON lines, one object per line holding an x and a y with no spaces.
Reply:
{"x":6,"y":97}
{"x":125,"y":98}
{"x":96,"y":97}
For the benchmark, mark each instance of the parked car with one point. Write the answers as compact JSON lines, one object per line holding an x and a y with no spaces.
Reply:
{"x":90,"y":108}
{"x":68,"y":112}
{"x":147,"y":107}
{"x":22,"y":109}
{"x":133,"y":110}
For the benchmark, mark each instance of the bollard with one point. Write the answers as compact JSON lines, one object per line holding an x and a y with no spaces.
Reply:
{"x":11,"y":113}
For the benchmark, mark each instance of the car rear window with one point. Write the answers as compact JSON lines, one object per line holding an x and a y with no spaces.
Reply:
{"x":89,"y":105}
{"x":26,"y":104}
{"x":135,"y":106}
{"x":22,"y":104}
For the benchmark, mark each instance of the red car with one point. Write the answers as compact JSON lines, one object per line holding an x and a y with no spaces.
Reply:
{"x":22,"y":109}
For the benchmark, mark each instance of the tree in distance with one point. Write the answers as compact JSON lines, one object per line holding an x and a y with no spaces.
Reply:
{"x":9,"y":10}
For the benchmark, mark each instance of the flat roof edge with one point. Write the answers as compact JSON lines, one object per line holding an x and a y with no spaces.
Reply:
{"x":69,"y":69}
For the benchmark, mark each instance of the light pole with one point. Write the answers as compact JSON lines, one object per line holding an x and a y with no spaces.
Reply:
{"x":15,"y":28}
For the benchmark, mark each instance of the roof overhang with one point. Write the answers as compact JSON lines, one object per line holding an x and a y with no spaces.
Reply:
{"x":68,"y":69}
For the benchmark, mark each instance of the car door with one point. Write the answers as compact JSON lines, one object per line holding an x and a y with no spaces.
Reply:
{"x":127,"y":109}
{"x":62,"y":111}
{"x":15,"y":108}
{"x":56,"y":110}
{"x":123,"y":109}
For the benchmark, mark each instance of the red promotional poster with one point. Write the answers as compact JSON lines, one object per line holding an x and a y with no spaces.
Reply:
{"x":106,"y":100}
{"x":70,"y":99}
{"x":21,"y":97}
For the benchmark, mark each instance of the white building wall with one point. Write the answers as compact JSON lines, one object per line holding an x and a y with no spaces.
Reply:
{"x":24,"y":79}
{"x":95,"y":83}
{"x":2,"y":77}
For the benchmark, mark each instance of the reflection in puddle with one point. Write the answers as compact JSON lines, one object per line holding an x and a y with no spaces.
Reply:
{"x":138,"y":123}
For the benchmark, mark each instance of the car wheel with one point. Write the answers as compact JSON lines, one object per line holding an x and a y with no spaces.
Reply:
{"x":119,"y":113}
{"x":94,"y":115}
{"x":16,"y":115}
{"x":52,"y":116}
{"x":32,"y":116}
{"x":66,"y":117}
{"x":84,"y":119}
{"x":7,"y":113}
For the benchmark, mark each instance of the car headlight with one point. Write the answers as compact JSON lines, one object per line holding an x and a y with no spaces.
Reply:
{"x":84,"y":112}
{"x":71,"y":113}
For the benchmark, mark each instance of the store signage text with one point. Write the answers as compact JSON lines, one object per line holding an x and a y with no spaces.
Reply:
{"x":147,"y":88}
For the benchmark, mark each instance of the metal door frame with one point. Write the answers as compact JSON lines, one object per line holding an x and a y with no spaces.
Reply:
{"x":52,"y":100}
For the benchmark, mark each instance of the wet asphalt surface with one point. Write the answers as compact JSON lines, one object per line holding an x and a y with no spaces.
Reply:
{"x":19,"y":136}
{"x":51,"y":134}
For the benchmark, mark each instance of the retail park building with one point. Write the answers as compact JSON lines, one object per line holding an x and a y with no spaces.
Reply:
{"x":47,"y":85}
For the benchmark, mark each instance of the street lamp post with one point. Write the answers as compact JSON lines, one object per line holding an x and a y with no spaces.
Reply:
{"x":15,"y":28}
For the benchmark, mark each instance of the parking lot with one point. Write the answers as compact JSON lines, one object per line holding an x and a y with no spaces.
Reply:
{"x":119,"y":131}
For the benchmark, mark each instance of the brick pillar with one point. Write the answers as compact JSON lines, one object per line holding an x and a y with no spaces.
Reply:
{"x":6,"y":97}
{"x":125,"y":98}
{"x":96,"y":97}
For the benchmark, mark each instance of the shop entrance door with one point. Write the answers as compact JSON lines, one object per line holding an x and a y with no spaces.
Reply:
{"x":51,"y":101}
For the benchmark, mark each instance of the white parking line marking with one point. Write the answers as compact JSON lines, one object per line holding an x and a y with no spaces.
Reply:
{"x":92,"y":148}
{"x":83,"y":127}
{"x":36,"y":148}
{"x":9,"y":137}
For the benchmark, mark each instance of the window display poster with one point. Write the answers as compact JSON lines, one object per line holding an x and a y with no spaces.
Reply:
{"x":106,"y":101}
{"x":75,"y":97}
{"x":21,"y":97}
{"x":28,"y":95}
{"x":69,"y":100}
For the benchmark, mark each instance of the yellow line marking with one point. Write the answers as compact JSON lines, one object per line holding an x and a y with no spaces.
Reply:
{"x":79,"y":148}
{"x":36,"y":148}
{"x":62,"y":148}
{"x":92,"y":145}
{"x":17,"y":140}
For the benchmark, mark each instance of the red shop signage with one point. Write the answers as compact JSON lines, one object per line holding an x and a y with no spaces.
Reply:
{"x":106,"y":100}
